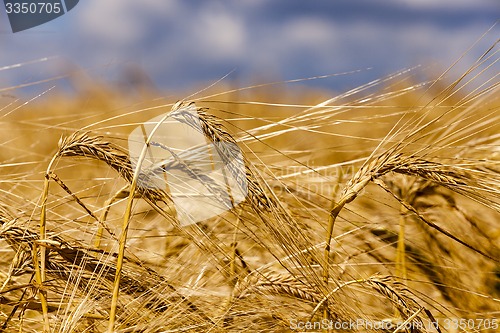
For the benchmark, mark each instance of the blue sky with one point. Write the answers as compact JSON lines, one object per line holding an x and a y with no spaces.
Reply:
{"x":181,"y":43}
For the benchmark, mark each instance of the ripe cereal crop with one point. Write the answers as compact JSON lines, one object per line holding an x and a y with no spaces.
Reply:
{"x":378,"y":205}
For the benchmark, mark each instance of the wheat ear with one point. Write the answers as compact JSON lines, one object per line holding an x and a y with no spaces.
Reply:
{"x":447,"y":176}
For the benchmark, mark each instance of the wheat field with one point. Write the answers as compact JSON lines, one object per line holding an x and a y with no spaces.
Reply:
{"x":370,"y":210}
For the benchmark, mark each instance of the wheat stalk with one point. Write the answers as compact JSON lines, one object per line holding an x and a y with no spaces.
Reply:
{"x":445,"y":175}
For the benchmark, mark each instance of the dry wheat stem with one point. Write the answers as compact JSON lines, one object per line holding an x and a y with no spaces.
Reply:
{"x":96,"y":271}
{"x":402,"y":326}
{"x":104,"y":215}
{"x":323,"y":301}
{"x":100,"y":221}
{"x":432,"y":224}
{"x":123,"y":235}
{"x":232,"y":267}
{"x":40,"y":272}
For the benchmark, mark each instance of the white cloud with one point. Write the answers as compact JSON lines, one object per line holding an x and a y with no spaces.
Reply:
{"x":112,"y":22}
{"x":219,"y":34}
{"x":121,"y":22}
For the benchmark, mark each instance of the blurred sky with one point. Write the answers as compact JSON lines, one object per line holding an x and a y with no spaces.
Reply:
{"x":177,"y":43}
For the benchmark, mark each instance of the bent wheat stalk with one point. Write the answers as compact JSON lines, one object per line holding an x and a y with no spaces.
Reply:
{"x":448,"y":176}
